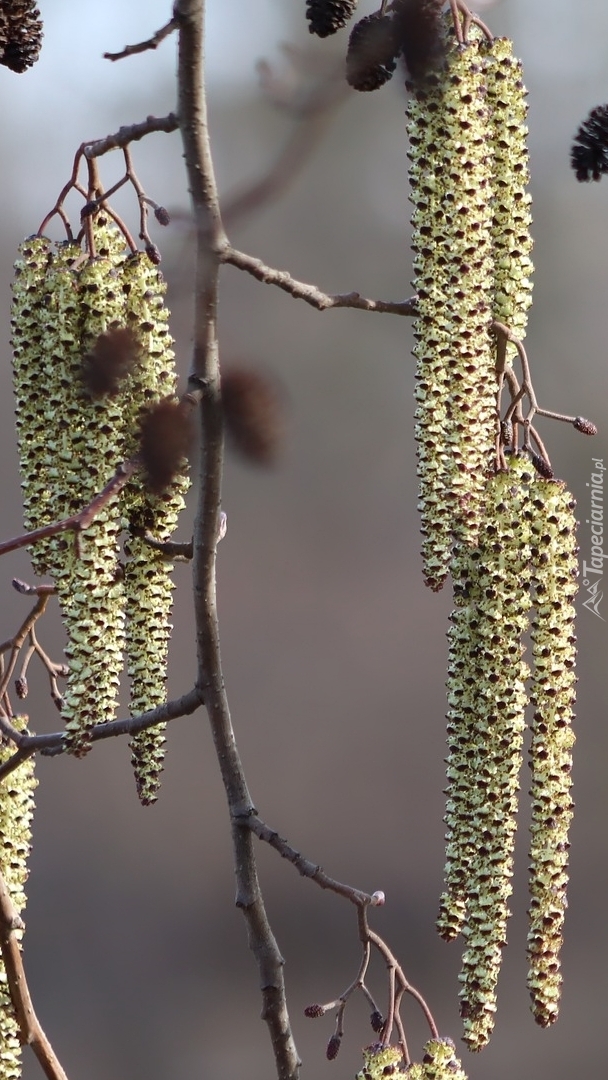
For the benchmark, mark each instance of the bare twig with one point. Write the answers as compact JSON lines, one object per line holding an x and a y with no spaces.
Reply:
{"x":310,"y":293}
{"x":143,"y":46}
{"x":80,"y":521}
{"x":54,"y":743}
{"x":130,"y":133}
{"x":462,"y":26}
{"x":210,"y":241}
{"x":15,"y":643}
{"x":29,"y":1025}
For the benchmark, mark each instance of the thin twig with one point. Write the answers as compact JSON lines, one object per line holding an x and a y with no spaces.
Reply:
{"x":210,"y":241}
{"x":143,"y":46}
{"x":54,"y":743}
{"x":29,"y":1025}
{"x":80,"y":521}
{"x":310,"y":293}
{"x":130,"y":133}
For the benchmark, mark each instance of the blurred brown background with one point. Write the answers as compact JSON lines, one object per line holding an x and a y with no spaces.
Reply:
{"x":334,"y":652}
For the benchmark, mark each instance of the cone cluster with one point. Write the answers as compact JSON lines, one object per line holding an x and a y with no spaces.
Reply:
{"x":70,"y":443}
{"x":471,"y":262}
{"x":325,"y":17}
{"x":16,"y":812}
{"x":521,"y":574}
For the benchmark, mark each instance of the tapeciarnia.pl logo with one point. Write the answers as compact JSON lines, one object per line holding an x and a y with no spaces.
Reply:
{"x":593,"y":571}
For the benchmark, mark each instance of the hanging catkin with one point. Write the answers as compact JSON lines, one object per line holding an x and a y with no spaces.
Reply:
{"x":147,"y":576}
{"x":554,"y":569}
{"x":450,"y":174}
{"x":16,"y":812}
{"x":511,"y":208}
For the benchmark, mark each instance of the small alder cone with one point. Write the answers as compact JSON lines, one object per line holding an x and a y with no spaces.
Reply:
{"x":511,"y":218}
{"x":325,"y":17}
{"x":487,"y":698}
{"x":147,"y":575}
{"x":371,"y":57}
{"x":20,"y":34}
{"x":381,"y":1061}
{"x":16,"y":812}
{"x":439,"y":1063}
{"x":589,"y":154}
{"x":554,"y":572}
{"x":450,"y":175}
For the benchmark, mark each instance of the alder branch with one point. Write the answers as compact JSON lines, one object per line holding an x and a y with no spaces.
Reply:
{"x":29,"y":1026}
{"x":300,"y":290}
{"x":52,"y":744}
{"x":80,"y":521}
{"x":130,"y":133}
{"x":210,"y":241}
{"x":143,"y":46}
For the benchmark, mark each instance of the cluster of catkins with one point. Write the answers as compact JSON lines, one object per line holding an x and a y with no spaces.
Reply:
{"x":20,"y":34}
{"x":438,"y":1063}
{"x":76,"y":318}
{"x":507,"y":537}
{"x":16,"y":810}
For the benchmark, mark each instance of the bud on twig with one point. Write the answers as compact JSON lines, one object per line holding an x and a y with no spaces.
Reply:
{"x":333,"y":1047}
{"x":586,"y":426}
{"x":314,"y":1011}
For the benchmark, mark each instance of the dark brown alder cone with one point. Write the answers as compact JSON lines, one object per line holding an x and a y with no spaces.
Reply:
{"x":108,"y":363}
{"x":589,"y":153}
{"x":165,"y":442}
{"x":20,"y":34}
{"x":327,"y":16}
{"x":372,"y":53}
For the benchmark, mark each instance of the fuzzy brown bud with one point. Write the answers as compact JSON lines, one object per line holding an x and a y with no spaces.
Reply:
{"x":377,"y":1021}
{"x":333,"y":1047}
{"x":314,"y":1011}
{"x":253,"y":415}
{"x":543,"y":467}
{"x":162,"y":215}
{"x":372,"y":51}
{"x":153,"y":254}
{"x":165,"y":441}
{"x":112,"y":357}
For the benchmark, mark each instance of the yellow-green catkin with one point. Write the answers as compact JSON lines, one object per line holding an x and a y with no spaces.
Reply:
{"x":16,"y":811}
{"x":439,"y":1063}
{"x":31,"y":381}
{"x":381,"y":1061}
{"x":450,"y":174}
{"x":554,"y":569}
{"x":87,"y":575}
{"x":147,"y":577}
{"x":487,"y":698}
{"x":511,"y":208}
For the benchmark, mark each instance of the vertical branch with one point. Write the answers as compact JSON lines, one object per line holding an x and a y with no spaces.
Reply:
{"x":210,"y":243}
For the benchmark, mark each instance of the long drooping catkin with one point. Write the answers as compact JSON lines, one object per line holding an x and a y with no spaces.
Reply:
{"x":487,"y":699}
{"x":450,"y":174}
{"x":147,"y":575}
{"x":16,"y":811}
{"x":554,"y":569}
{"x":511,"y":207}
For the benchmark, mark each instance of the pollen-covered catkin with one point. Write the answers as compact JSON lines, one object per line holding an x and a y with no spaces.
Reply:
{"x":147,"y":574}
{"x":16,"y":811}
{"x":87,"y":575}
{"x":450,"y":175}
{"x":439,"y":1063}
{"x":554,"y":569}
{"x":381,"y":1061}
{"x":487,"y":697}
{"x":511,"y":216}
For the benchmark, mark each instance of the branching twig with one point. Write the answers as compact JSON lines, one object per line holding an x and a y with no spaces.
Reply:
{"x":80,"y":521}
{"x":131,"y":133}
{"x":310,"y":293}
{"x":143,"y":46}
{"x":29,"y":1025}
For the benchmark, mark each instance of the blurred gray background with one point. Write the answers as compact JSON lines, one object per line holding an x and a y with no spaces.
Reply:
{"x":334,"y":652}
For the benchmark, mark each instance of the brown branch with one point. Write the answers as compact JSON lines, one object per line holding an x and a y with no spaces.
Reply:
{"x":310,"y":293}
{"x":210,"y":241}
{"x":52,"y":744}
{"x":29,"y":1025}
{"x":80,"y":521}
{"x":143,"y":46}
{"x":15,"y":645}
{"x":130,"y":133}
